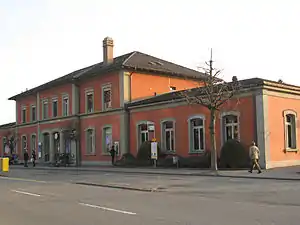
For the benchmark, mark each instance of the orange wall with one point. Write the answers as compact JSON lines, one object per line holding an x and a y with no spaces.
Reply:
{"x":181,"y":115}
{"x":96,"y":85}
{"x":56,"y":92}
{"x":276,"y":106}
{"x":144,"y":85}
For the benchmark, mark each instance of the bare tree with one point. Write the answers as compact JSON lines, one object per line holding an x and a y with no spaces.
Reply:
{"x":212,"y":94}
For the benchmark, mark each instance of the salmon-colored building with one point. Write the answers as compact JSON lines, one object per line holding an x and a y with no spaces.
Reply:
{"x":132,"y":98}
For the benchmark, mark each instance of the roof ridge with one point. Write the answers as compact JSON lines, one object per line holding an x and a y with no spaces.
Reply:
{"x":131,"y":55}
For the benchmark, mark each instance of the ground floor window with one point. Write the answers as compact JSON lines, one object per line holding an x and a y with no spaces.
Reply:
{"x":107,"y":139}
{"x":197,"y":134}
{"x":143,"y":133}
{"x":230,"y":127}
{"x":168,"y":135}
{"x":90,"y":141}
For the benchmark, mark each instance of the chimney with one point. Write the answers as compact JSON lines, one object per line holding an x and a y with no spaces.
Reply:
{"x":108,"y":50}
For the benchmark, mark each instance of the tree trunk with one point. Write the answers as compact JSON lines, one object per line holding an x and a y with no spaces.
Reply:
{"x":212,"y":129}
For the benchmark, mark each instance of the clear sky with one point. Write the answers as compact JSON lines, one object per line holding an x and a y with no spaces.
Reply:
{"x":41,"y":40}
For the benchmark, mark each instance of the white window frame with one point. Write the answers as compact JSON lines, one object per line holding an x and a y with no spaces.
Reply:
{"x":106,"y":150}
{"x":24,"y":148}
{"x":65,"y":109}
{"x":93,"y":144}
{"x":33,"y":145}
{"x":24,"y":109}
{"x":45,"y":114}
{"x":87,"y":93}
{"x":293,"y":125}
{"x":105,"y":88}
{"x":191,"y":134}
{"x":223,"y":126}
{"x":139,"y":132}
{"x":31,"y":113}
{"x":164,"y":131}
{"x":54,"y":100}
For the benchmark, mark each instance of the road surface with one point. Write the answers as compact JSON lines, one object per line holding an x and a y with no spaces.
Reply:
{"x":44,"y":198}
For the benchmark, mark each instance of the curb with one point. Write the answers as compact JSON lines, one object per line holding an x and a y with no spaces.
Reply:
{"x":166,"y":174}
{"x":120,"y":187}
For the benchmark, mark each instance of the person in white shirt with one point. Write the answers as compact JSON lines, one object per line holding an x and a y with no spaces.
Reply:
{"x":254,"y":155}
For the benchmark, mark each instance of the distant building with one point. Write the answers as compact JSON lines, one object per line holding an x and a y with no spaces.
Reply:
{"x":121,"y":99}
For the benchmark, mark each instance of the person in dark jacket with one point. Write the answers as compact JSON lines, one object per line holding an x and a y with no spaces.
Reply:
{"x":33,"y":155}
{"x":113,"y":154}
{"x":26,"y":157}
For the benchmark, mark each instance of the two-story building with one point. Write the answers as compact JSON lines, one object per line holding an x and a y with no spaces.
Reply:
{"x":91,"y":102}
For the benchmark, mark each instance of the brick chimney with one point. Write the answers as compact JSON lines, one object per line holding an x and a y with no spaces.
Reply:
{"x":108,"y":50}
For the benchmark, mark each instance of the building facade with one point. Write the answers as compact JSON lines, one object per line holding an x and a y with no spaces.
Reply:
{"x":118,"y":100}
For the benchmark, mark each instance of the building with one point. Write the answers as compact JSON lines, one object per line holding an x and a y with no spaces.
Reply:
{"x":118,"y":100}
{"x":83,"y":112}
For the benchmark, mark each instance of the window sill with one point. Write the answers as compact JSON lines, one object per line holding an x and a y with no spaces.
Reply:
{"x":291,"y":150}
{"x":196,"y":152}
{"x":90,"y":154}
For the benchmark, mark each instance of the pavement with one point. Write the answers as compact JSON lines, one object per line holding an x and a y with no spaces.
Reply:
{"x":287,"y":173}
{"x":44,"y":197}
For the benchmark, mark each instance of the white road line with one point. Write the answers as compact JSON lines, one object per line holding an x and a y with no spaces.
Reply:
{"x":26,"y":193}
{"x":107,"y":209}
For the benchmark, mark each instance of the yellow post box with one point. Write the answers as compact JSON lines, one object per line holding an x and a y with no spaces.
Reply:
{"x":5,"y":164}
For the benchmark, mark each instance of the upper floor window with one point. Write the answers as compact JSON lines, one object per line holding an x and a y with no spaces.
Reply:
{"x":89,"y":102}
{"x":45,"y":110}
{"x":290,"y":130}
{"x":230,"y":127}
{"x":197,"y":137}
{"x":54,"y":108}
{"x":168,"y":135}
{"x":65,"y":106}
{"x":23,"y":114}
{"x":107,"y":97}
{"x":90,"y":141}
{"x":33,"y":113}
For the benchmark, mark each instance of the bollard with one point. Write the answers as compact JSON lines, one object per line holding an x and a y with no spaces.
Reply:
{"x":5,"y":165}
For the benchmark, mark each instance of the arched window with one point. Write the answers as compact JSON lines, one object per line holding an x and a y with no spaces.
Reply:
{"x":24,"y":143}
{"x":168,"y":135}
{"x":90,"y":141}
{"x":230,"y":126}
{"x":197,"y":134}
{"x":290,"y":119}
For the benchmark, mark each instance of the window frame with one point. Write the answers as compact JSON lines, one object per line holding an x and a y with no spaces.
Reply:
{"x":103,"y":89}
{"x":23,"y":117}
{"x":163,"y":134}
{"x":223,"y":127}
{"x":294,"y":114}
{"x":93,"y":150}
{"x":45,"y":115}
{"x":87,"y":93}
{"x":24,"y":148}
{"x":64,"y":97}
{"x":191,"y":136}
{"x":138,"y":133}
{"x":31,"y":113}
{"x":104,"y":152}
{"x":31,"y":142}
{"x":54,"y":100}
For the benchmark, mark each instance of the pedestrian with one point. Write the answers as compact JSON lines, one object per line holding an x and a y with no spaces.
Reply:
{"x":254,"y":154}
{"x":113,"y":154}
{"x":33,"y":157}
{"x":26,"y":157}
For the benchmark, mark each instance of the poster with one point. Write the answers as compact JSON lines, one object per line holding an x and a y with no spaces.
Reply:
{"x":154,"y":150}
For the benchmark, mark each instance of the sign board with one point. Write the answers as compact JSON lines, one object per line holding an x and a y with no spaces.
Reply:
{"x":154,"y":150}
{"x":151,"y":127}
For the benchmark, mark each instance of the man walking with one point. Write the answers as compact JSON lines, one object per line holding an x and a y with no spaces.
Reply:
{"x":26,"y":157}
{"x":254,"y":155}
{"x":33,"y":156}
{"x":113,"y":154}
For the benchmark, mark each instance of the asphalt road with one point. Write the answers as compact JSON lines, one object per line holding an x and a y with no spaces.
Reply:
{"x":42,"y":197}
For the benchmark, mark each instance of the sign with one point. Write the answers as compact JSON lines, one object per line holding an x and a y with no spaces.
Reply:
{"x":153,"y":140}
{"x":154,"y":150}
{"x":150,"y":127}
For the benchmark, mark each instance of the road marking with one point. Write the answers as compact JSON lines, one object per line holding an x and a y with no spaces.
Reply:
{"x":107,"y":209}
{"x":26,"y":193}
{"x":22,"y":179}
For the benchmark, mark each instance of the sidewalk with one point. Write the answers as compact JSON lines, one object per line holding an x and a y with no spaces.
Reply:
{"x":288,"y":173}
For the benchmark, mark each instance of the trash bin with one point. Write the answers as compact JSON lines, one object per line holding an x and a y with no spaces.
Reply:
{"x":4,"y":164}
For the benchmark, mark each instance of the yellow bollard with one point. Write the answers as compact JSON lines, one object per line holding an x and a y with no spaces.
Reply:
{"x":5,"y":164}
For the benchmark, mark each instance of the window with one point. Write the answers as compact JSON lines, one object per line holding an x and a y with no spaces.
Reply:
{"x":65,"y":107}
{"x":89,"y":102}
{"x":168,"y":133}
{"x":107,"y":139}
{"x":33,"y":143}
{"x":45,"y":109}
{"x":54,"y":108}
{"x":90,"y":141}
{"x":143,"y":133}
{"x":197,"y":135}
{"x":33,"y":113}
{"x":106,"y":92}
{"x":4,"y":143}
{"x":290,"y":131}
{"x":24,"y":143}
{"x":230,"y":127}
{"x":24,"y":115}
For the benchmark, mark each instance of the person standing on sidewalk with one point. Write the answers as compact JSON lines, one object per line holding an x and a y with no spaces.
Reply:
{"x":26,"y":157}
{"x":254,"y":155}
{"x":33,"y":156}
{"x":113,"y":154}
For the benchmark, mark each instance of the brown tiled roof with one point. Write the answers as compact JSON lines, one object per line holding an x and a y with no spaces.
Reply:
{"x":7,"y":125}
{"x":134,"y":61}
{"x":243,"y":84}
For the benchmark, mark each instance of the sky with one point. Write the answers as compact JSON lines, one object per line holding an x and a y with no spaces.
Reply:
{"x":41,"y":40}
